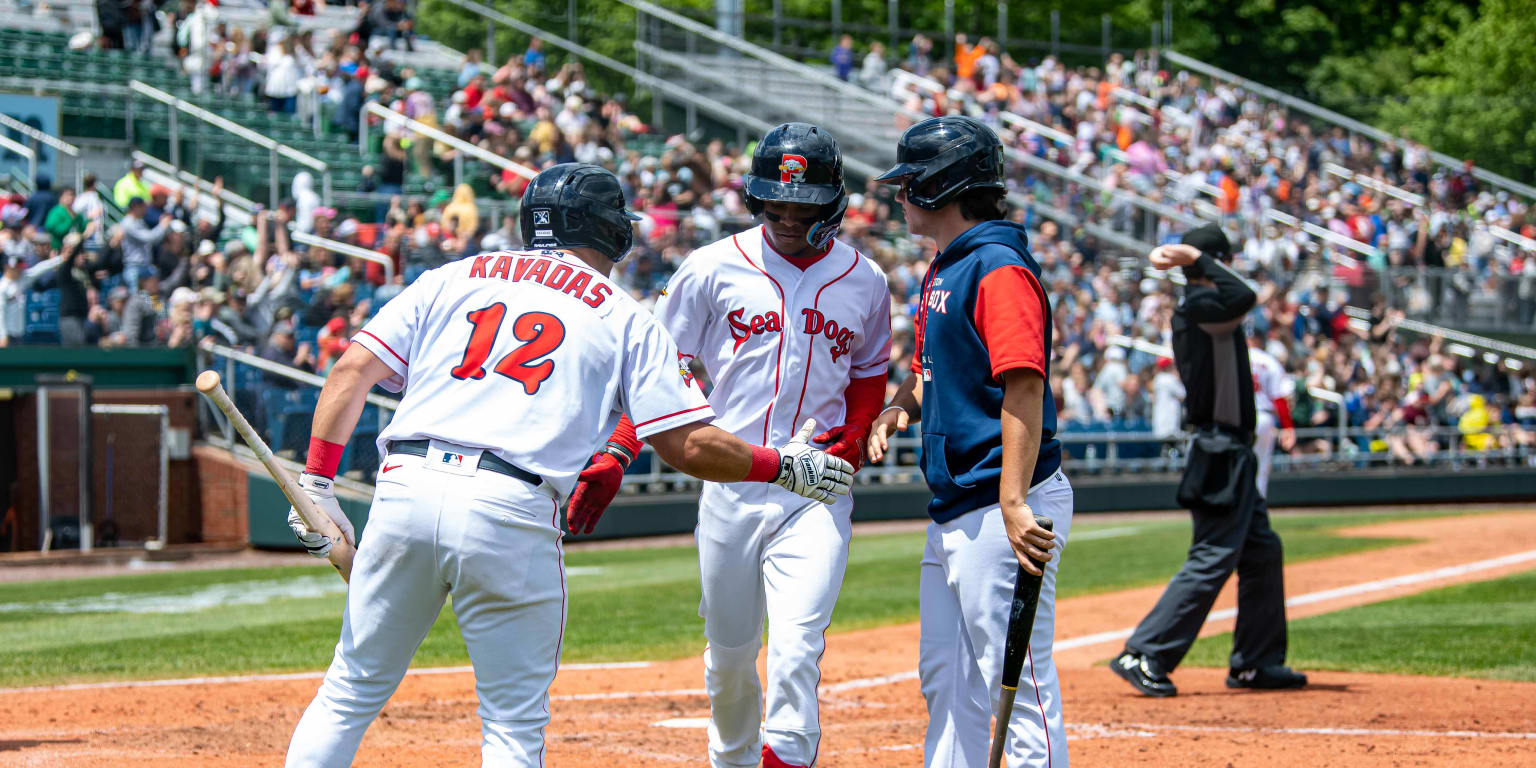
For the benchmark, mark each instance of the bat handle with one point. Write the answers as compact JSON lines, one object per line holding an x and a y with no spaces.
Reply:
{"x":1021,"y":619}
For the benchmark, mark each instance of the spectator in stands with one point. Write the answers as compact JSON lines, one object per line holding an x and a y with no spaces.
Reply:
{"x":15,"y":283}
{"x":842,"y":58}
{"x":63,"y":219}
{"x":472,"y":67}
{"x":919,"y":55}
{"x":395,"y":19}
{"x":89,"y":206}
{"x":1167,"y":401}
{"x":306,"y":7}
{"x":139,"y":25}
{"x":966,"y":56}
{"x":109,"y":16}
{"x":75,"y":281}
{"x":533,"y":58}
{"x":872,"y":71}
{"x":282,"y":78}
{"x":141,"y":315}
{"x":131,"y":185}
{"x":40,"y":203}
{"x":305,"y":202}
{"x":104,"y":323}
{"x":195,"y":34}
{"x":462,"y":210}
{"x":281,"y":348}
{"x":139,"y":240}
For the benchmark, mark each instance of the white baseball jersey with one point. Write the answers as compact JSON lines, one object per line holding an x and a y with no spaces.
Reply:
{"x":765,"y":329}
{"x":531,"y":355}
{"x":1269,"y":380}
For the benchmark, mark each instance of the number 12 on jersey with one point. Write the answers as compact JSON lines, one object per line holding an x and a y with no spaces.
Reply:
{"x":541,"y":333}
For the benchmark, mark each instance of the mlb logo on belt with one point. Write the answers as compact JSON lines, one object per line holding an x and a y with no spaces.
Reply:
{"x":454,"y":460}
{"x":541,"y":217}
{"x":792,"y":168}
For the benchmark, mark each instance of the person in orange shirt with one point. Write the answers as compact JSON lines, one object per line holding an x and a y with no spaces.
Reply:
{"x":1229,"y":194}
{"x":966,"y":57}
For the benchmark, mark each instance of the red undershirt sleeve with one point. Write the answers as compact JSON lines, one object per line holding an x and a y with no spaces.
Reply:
{"x":1010,"y":316}
{"x":863,"y":398}
{"x":1283,"y":412}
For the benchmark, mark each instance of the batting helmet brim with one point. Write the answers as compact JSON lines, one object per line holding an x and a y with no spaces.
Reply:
{"x":790,"y":192}
{"x":902,"y":170}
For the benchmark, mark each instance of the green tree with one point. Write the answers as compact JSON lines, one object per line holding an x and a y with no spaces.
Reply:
{"x":1477,"y":98}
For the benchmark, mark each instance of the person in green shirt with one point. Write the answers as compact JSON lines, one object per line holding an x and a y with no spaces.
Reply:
{"x":63,"y":220}
{"x":131,"y":185}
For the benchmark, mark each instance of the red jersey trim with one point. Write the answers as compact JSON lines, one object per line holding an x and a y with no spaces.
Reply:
{"x":670,"y":415}
{"x":809,"y":261}
{"x":779,"y":358}
{"x":386,"y":347}
{"x":811,"y":346}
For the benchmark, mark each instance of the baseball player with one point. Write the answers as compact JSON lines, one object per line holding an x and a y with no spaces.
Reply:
{"x":1272,"y":390}
{"x":990,"y":456}
{"x":515,"y":366}
{"x":790,"y":323}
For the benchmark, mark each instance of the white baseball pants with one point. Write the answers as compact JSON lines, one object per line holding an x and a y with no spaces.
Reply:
{"x":1264,"y":448}
{"x":764,"y":552}
{"x":488,"y":540}
{"x":968,"y":574}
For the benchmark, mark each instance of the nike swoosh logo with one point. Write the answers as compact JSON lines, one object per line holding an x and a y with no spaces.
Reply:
{"x":388,"y":467}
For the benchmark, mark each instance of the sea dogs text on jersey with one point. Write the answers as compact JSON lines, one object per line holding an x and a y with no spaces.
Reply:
{"x":816,"y":324}
{"x":550,"y":273}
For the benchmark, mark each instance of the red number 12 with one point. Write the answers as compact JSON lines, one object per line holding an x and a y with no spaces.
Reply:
{"x":541,"y":331}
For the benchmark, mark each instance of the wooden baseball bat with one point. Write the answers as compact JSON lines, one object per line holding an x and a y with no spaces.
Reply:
{"x":1021,"y":619}
{"x":315,"y":518}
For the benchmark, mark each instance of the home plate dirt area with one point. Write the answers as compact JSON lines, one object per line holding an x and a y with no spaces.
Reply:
{"x":653,"y":714}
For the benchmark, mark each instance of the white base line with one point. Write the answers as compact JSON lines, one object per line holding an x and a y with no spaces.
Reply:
{"x":1323,"y":731}
{"x":421,"y":671}
{"x":1082,"y":641}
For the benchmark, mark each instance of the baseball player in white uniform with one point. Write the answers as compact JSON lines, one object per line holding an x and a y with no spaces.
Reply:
{"x":515,"y":366}
{"x":791,"y":324}
{"x":1272,"y":390}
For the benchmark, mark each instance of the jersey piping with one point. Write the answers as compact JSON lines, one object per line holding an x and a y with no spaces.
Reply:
{"x":778,"y":360}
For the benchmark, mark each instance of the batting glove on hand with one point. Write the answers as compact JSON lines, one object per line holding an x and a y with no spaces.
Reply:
{"x":847,"y":443}
{"x":811,"y":473}
{"x":595,"y":489}
{"x":320,"y":489}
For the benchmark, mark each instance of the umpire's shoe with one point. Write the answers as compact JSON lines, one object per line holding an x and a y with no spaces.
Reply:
{"x":1144,"y":675}
{"x":1266,"y":678}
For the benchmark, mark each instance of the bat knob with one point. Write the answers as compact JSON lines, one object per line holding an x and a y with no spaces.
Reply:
{"x":207,"y":381}
{"x":1040,"y":520}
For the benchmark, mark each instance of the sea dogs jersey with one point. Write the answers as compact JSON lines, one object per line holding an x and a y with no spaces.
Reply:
{"x":780,"y":343}
{"x":1269,"y":380}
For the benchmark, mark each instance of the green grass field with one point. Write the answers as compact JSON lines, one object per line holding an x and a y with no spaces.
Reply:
{"x":625,"y":604}
{"x":1483,"y":629}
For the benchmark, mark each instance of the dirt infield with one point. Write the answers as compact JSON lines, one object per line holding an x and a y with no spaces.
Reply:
{"x":873,"y":715}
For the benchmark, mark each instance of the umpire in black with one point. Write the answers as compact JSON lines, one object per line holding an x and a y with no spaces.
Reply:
{"x":1231,"y":520}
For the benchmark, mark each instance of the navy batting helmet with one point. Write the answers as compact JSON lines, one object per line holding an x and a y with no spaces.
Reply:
{"x":577,"y":205}
{"x":800,"y":163}
{"x":940,"y":158}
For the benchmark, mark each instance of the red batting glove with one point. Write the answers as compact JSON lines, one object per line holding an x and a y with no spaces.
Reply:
{"x":847,"y":443}
{"x":595,"y":489}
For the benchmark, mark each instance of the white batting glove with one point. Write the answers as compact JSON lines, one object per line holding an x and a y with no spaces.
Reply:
{"x":320,"y":489}
{"x":811,"y":473}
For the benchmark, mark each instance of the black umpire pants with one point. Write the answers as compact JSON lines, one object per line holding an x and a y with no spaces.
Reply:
{"x":1238,"y":539}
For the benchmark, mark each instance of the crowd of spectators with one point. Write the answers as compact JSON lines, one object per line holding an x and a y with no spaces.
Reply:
{"x":170,"y":270}
{"x":1438,"y":237}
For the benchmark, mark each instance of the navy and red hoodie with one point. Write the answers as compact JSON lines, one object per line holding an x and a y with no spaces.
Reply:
{"x":983,"y":312}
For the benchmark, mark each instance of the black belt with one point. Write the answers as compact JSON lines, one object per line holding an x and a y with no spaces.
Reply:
{"x":488,"y":461}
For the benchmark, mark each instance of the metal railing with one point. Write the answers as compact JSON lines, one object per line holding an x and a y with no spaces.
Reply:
{"x":11,"y":145}
{"x":38,"y":137}
{"x":1342,"y":121}
{"x":243,"y":206}
{"x":347,"y":249}
{"x":274,"y":149}
{"x":461,"y":147}
{"x":661,"y":89}
{"x":1514,"y":356}
{"x":1462,"y":297}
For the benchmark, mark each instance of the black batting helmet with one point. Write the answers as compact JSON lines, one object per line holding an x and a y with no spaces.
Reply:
{"x":800,"y":163}
{"x":940,"y":158}
{"x":577,"y":205}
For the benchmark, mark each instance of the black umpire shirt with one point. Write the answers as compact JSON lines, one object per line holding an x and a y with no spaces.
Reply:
{"x":1211,"y":349}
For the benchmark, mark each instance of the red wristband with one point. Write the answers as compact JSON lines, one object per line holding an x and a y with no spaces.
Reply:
{"x":324,"y":457}
{"x":765,"y":465}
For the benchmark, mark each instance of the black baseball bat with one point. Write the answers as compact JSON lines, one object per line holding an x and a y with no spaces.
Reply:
{"x":1021,"y":619}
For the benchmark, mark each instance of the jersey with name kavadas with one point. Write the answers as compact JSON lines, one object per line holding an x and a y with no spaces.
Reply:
{"x":780,"y":343}
{"x":530,"y":355}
